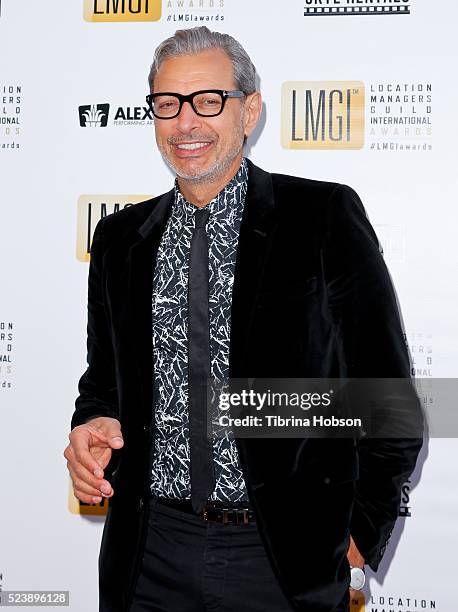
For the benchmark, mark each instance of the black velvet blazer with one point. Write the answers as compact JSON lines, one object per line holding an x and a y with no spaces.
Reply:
{"x":312,"y":297}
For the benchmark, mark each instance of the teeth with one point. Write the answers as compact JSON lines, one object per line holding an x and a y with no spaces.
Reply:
{"x":190,"y":147}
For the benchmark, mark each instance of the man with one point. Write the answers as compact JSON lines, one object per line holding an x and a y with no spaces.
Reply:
{"x":234,"y":273}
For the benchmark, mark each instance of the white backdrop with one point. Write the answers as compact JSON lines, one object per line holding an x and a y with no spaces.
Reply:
{"x":53,"y":61}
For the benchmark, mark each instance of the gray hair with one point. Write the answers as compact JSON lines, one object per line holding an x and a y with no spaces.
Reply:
{"x":196,"y":40}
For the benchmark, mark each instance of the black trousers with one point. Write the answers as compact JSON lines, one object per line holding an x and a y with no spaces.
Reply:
{"x":191,"y":565}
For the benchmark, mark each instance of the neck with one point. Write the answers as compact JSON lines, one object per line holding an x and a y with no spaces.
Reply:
{"x":200,"y":194}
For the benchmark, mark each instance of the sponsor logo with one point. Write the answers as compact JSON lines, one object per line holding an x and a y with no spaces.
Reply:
{"x":382,"y":116}
{"x":323,"y":115}
{"x":195,"y":11}
{"x":133,"y":115}
{"x":421,"y":351}
{"x":357,"y":602}
{"x":346,"y":8}
{"x":10,"y":115}
{"x":6,"y":354}
{"x":389,"y":603}
{"x":430,"y":393}
{"x":98,"y":115}
{"x":91,"y":208}
{"x":404,"y":508}
{"x":400,"y":603}
{"x":94,"y":115}
{"x":400,"y":116}
{"x":122,"y":10}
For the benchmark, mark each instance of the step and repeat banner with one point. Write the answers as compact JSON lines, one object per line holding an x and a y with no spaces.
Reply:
{"x":360,"y":92}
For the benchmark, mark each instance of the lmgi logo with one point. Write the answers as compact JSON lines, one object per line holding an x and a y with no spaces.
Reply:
{"x":322,"y":115}
{"x":357,"y":602}
{"x":91,"y":208}
{"x":122,"y":10}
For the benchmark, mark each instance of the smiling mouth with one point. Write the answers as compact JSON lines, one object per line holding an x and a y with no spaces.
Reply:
{"x":192,"y":146}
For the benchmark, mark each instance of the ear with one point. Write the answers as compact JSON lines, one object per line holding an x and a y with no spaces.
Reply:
{"x":253,"y":109}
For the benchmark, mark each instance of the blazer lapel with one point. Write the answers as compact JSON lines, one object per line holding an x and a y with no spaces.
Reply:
{"x":142,"y":260}
{"x":256,"y":232}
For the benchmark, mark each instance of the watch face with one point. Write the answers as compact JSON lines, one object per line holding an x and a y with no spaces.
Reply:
{"x":358,"y":578}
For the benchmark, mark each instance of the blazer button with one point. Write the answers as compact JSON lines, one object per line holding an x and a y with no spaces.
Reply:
{"x":141,"y":503}
{"x":326,"y":480}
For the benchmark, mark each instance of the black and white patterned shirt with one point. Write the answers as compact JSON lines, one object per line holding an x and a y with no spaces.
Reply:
{"x":170,"y":474}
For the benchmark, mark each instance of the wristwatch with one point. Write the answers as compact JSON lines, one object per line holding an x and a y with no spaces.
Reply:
{"x":358,"y":578}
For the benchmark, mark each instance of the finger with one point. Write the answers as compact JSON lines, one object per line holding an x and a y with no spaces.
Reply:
{"x":84,"y":474}
{"x":110,"y":428}
{"x":87,"y":499}
{"x":81,"y":442}
{"x":69,"y":454}
{"x":85,"y":482}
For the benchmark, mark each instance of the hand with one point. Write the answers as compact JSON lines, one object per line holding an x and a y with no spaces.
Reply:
{"x":356,"y":560}
{"x":88,"y":455}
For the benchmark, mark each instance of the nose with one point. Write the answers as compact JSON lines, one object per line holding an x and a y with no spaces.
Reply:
{"x":187,"y":119}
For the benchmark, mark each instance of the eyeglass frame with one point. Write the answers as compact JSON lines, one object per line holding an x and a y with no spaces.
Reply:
{"x":224,"y":93}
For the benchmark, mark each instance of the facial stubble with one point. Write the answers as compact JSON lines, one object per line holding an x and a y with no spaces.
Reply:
{"x":219,"y":168}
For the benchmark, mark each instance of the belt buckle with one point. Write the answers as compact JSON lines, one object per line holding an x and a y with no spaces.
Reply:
{"x":246,"y":518}
{"x":205,"y":513}
{"x":241,"y":515}
{"x":225,"y":514}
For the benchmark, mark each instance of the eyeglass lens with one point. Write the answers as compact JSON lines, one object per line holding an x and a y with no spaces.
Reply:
{"x":205,"y":103}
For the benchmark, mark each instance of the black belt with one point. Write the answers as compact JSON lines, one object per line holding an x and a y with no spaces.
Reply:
{"x":213,"y":511}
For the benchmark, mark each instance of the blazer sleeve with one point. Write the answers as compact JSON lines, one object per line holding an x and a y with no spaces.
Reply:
{"x":97,"y":387}
{"x":364,"y":310}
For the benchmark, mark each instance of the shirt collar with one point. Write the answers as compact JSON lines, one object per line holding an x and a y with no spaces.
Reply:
{"x":218,"y":206}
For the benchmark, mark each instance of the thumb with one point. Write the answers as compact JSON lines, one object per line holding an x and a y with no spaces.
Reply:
{"x":114,"y":435}
{"x":116,"y":441}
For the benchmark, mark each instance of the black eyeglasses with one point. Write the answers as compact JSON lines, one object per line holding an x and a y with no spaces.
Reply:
{"x":205,"y":102}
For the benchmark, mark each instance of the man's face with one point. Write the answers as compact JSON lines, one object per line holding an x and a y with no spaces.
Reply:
{"x":220,"y":138}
